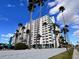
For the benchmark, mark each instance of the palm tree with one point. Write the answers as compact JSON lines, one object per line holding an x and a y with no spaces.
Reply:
{"x":61,"y":40}
{"x":65,"y":30}
{"x":44,"y":24}
{"x":38,"y":38}
{"x":61,"y":9}
{"x":55,"y":32}
{"x":10,"y":42}
{"x":23,"y":28}
{"x":16,"y":36}
{"x":27,"y":34}
{"x":31,"y":9}
{"x":40,"y":4}
{"x":20,"y":24}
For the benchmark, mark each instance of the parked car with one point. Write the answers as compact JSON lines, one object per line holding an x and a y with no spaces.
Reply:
{"x":1,"y":47}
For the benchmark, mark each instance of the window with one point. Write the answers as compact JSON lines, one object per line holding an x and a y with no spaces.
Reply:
{"x":43,"y":41}
{"x":50,"y":40}
{"x":46,"y":38}
{"x":46,"y":41}
{"x":49,"y":35}
{"x":34,"y":39}
{"x":38,"y":41}
{"x":49,"y":32}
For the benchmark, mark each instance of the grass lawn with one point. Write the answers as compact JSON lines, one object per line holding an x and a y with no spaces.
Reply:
{"x":64,"y":55}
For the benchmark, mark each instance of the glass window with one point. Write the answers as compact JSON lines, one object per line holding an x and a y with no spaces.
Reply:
{"x":43,"y":41}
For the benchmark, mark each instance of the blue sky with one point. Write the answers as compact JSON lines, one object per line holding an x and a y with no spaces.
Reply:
{"x":13,"y":12}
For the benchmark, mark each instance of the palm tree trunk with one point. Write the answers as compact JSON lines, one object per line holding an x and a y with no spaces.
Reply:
{"x":27,"y":37}
{"x":16,"y":39}
{"x":30,"y":30}
{"x":65,"y":34}
{"x":63,"y":19}
{"x":55,"y":37}
{"x":37,"y":34}
{"x":65,"y":37}
{"x":38,"y":26}
{"x":22,"y":34}
{"x":55,"y":41}
{"x":64,"y":26}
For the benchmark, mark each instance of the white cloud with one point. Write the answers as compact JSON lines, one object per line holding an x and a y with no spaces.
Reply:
{"x":5,"y":39}
{"x":21,"y":4}
{"x":52,"y":3}
{"x":76,"y":33}
{"x":75,"y":27}
{"x":2,"y":18}
{"x":70,"y":13}
{"x":52,"y":18}
{"x":23,"y":0}
{"x":54,"y":10}
{"x":6,"y":35}
{"x":10,"y":5}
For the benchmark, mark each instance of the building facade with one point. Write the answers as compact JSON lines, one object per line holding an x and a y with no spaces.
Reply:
{"x":42,"y":35}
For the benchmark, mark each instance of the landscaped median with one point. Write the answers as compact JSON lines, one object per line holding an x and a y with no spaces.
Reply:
{"x":65,"y":55}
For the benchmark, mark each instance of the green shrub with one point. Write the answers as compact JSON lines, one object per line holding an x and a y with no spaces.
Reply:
{"x":21,"y":46}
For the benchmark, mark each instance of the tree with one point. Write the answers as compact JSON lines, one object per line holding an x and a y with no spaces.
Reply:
{"x":40,"y":3}
{"x":20,"y":46}
{"x":61,"y":40}
{"x":23,"y":28}
{"x":56,"y":32}
{"x":61,"y":8}
{"x":16,"y":36}
{"x":10,"y":42}
{"x":31,"y":9}
{"x":27,"y":34}
{"x":65,"y":30}
{"x":20,"y":25}
{"x":45,"y":24}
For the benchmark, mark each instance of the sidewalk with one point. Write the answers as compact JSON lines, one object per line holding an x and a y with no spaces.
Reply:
{"x":75,"y":54}
{"x":31,"y":54}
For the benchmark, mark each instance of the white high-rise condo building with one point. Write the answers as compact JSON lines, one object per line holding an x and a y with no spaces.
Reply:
{"x":43,"y":27}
